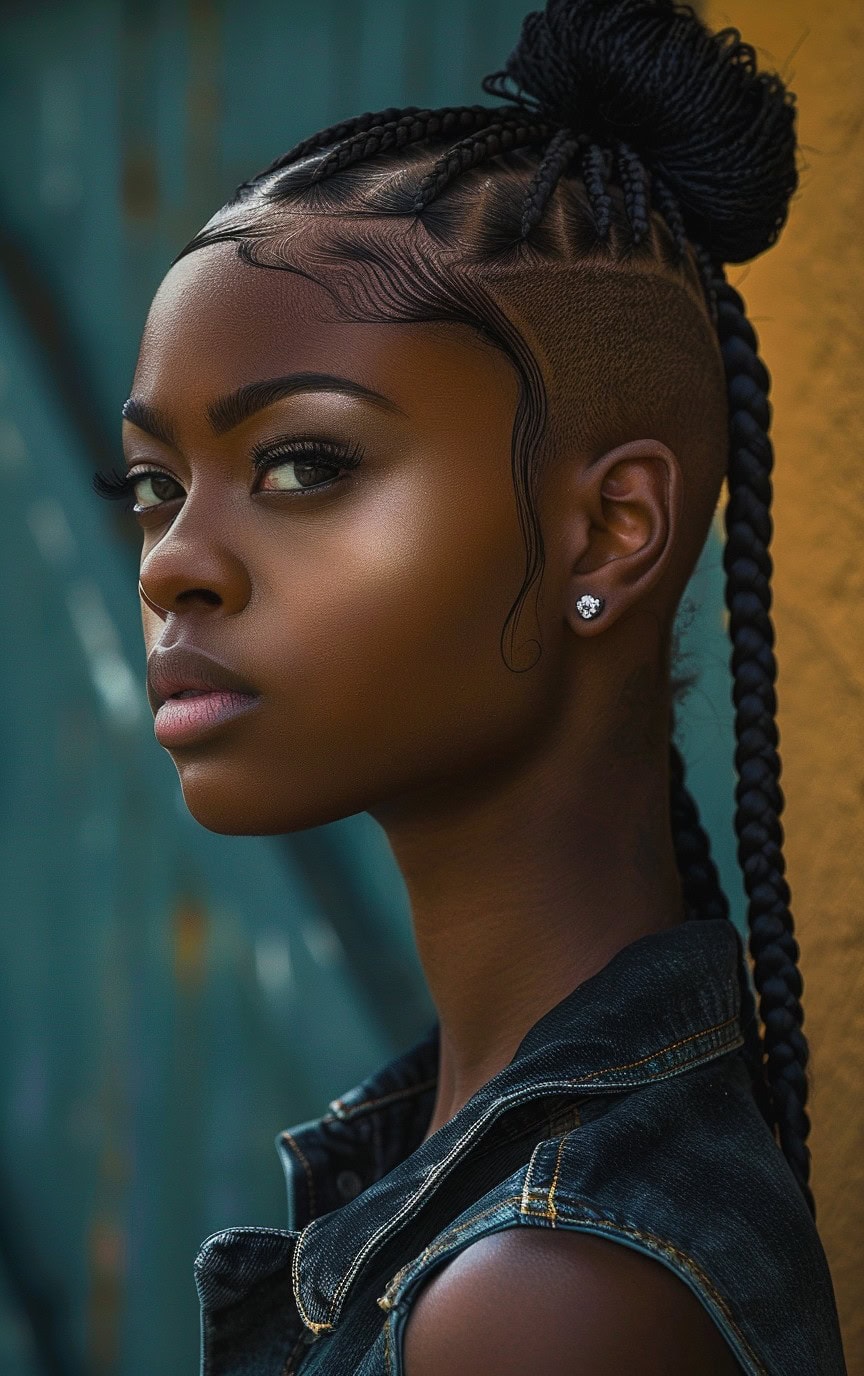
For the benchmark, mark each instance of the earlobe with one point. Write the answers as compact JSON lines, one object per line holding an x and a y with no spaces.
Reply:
{"x":632,"y":497}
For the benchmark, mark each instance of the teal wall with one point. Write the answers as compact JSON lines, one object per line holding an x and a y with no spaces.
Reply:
{"x":169,"y":998}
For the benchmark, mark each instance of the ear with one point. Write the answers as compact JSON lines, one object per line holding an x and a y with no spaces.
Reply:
{"x":629,"y":502}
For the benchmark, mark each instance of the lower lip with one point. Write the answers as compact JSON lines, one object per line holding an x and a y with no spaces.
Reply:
{"x":182,"y":720}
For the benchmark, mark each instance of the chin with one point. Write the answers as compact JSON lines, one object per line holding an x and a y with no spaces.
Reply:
{"x":231,"y":806}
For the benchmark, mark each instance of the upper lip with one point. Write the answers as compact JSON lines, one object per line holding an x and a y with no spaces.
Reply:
{"x":181,"y":668}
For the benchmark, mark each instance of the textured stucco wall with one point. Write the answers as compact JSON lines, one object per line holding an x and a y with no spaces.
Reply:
{"x":806,"y":298}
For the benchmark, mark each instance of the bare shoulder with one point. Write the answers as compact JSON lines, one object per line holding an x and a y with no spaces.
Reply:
{"x":553,"y":1302}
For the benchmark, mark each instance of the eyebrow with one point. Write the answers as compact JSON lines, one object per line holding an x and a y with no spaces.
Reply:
{"x":231,"y":410}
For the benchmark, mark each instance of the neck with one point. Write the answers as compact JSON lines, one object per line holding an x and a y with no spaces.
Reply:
{"x":523,"y":886}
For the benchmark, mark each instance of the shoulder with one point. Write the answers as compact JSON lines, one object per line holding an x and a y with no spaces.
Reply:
{"x":554,"y":1301}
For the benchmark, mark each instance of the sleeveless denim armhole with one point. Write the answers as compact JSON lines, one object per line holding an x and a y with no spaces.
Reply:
{"x":625,"y":1112}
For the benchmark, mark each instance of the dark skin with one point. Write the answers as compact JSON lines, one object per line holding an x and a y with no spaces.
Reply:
{"x":528,"y":812}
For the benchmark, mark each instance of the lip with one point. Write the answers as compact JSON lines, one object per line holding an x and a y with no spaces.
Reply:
{"x":222,"y":694}
{"x":183,"y":668}
{"x":181,"y":721}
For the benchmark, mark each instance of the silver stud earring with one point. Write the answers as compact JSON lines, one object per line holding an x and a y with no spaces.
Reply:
{"x":588,"y":607}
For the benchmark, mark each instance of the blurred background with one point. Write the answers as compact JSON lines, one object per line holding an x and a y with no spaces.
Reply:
{"x":171,"y":999}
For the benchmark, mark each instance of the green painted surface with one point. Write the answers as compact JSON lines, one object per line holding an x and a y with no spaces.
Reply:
{"x":169,"y":998}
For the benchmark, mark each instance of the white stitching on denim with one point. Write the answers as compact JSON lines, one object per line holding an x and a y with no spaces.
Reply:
{"x":527,"y":1186}
{"x":719,"y":1047}
{"x":538,"y":1196}
{"x":295,"y":1279}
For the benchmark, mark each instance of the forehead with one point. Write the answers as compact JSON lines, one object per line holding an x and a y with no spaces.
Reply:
{"x":217,"y":323}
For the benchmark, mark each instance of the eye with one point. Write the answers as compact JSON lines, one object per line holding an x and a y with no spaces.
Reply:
{"x":302,"y":465}
{"x":153,"y":487}
{"x":295,"y":475}
{"x":131,"y":488}
{"x":298,"y":466}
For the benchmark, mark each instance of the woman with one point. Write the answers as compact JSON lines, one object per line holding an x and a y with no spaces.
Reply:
{"x":426,"y":434}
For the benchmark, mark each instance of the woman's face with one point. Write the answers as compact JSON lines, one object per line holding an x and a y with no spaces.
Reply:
{"x":367,"y":613}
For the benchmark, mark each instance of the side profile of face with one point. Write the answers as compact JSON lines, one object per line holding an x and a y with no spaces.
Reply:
{"x":364,"y":606}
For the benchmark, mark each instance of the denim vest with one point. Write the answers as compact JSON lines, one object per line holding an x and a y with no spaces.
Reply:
{"x":626,"y":1112}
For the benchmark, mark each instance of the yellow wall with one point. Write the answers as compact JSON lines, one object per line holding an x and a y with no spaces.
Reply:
{"x":806,"y":299}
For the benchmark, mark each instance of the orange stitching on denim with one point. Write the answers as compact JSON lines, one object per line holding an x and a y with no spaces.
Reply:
{"x":295,"y":1279}
{"x":348,"y":1109}
{"x":689,"y":1264}
{"x":480,"y":1124}
{"x":609,"y":1069}
{"x":310,"y":1179}
{"x":526,"y":1188}
{"x":537,"y":1196}
{"x":440,"y":1245}
{"x":444,"y":1242}
{"x":388,"y":1355}
{"x":550,"y":1203}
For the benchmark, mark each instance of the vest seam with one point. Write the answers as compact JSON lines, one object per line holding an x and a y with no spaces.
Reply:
{"x":288,"y":1367}
{"x":334,"y":1304}
{"x":388,"y":1354}
{"x":443,"y":1242}
{"x":663,"y":1245}
{"x":310,"y":1175}
{"x":591,"y":1220}
{"x":526,"y":1189}
{"x":343,"y":1110}
{"x":549,"y":1212}
{"x":673,"y":1046}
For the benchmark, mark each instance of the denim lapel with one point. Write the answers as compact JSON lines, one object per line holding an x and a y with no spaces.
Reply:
{"x":667,"y":1002}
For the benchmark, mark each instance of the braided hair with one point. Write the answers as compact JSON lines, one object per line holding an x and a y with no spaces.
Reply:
{"x":627,"y":136}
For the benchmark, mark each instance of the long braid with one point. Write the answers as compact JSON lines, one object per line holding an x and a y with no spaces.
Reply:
{"x":704,"y":898}
{"x":642,"y":102}
{"x":758,"y":795}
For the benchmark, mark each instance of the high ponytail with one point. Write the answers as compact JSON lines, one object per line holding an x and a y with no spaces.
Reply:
{"x":664,"y":141}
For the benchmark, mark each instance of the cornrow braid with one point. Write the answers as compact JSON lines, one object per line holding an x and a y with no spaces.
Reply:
{"x":478,"y":148}
{"x":559,"y":153}
{"x":594,"y":173}
{"x":592,"y":92}
{"x":413,"y":126}
{"x":634,"y":184}
{"x":759,"y":799}
{"x":667,"y":205}
{"x":709,"y":272}
{"x":422,"y":124}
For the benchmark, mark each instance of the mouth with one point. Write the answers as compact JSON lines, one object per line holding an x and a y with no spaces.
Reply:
{"x":193,"y":714}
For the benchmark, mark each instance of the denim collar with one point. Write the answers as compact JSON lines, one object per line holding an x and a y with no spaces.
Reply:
{"x":662,"y":1005}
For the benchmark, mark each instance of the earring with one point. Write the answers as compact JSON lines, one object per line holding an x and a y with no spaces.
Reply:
{"x":588,"y":607}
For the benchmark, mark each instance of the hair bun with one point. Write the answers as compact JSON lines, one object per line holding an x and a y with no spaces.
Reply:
{"x":691,"y":103}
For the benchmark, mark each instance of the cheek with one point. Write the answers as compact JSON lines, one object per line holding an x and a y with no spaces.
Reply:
{"x":392,"y":628}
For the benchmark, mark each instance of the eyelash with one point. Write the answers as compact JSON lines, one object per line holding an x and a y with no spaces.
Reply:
{"x":120,"y":487}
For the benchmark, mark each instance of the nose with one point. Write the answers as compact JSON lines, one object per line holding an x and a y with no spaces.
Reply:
{"x":179,"y":574}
